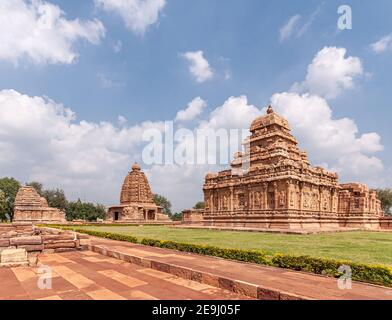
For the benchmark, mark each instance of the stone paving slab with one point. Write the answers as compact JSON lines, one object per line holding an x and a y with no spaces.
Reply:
{"x":76,"y":277}
{"x":261,"y":282}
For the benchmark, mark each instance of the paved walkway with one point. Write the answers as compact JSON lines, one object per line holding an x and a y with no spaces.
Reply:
{"x":252,"y":280}
{"x":90,"y":276}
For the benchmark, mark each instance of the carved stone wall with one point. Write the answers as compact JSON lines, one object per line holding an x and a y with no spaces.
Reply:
{"x":31,"y":207}
{"x":279,"y":187}
{"x":136,"y":201}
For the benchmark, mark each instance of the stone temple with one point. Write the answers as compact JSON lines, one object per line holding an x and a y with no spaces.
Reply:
{"x":31,"y":207}
{"x":280,"y":189}
{"x":136,"y":201}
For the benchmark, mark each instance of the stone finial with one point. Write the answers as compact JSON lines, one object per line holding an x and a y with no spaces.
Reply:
{"x":136,"y":167}
{"x":270,"y":110}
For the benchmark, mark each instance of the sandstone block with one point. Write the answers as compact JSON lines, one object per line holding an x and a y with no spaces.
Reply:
{"x":61,"y":244}
{"x":13,"y":256}
{"x":4,"y":242}
{"x":26,"y":240}
{"x":32,"y":247}
{"x":267,"y":294}
{"x":85,"y":242}
{"x":50,"y":238}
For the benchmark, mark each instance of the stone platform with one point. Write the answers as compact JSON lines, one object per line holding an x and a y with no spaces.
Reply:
{"x":254,"y":281}
{"x":90,"y":276}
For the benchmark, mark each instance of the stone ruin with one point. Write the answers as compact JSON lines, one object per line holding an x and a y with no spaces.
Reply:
{"x":273,"y":185}
{"x":22,"y":243}
{"x":31,"y":207}
{"x":136,"y":201}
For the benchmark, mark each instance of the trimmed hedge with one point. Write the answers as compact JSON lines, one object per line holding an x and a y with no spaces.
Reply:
{"x":232,"y":254}
{"x":376,"y":274}
{"x":107,"y":235}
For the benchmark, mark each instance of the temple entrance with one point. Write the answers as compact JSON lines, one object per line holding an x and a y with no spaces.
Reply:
{"x":116,"y":216}
{"x":151,"y":215}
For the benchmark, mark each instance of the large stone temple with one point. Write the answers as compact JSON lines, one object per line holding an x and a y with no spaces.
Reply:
{"x":136,"y":201}
{"x":280,"y":189}
{"x":31,"y":207}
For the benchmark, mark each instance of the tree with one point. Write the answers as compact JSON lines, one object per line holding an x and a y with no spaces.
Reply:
{"x":84,"y":211}
{"x":385,"y":195}
{"x":199,"y":205}
{"x":3,"y":205}
{"x":164,"y":203}
{"x":10,"y":188}
{"x":56,"y":198}
{"x":176,"y":216}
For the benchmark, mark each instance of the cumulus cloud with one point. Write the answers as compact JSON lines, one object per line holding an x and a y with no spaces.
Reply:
{"x":384,"y":44}
{"x":138,"y":15}
{"x":39,"y":31}
{"x":287,"y":30}
{"x":330,"y":73}
{"x":235,"y":113}
{"x":42,"y":140}
{"x":328,"y":140}
{"x":334,"y":143}
{"x":199,"y":67}
{"x":195,"y":108}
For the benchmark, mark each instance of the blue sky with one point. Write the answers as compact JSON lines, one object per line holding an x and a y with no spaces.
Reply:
{"x":147,"y":78}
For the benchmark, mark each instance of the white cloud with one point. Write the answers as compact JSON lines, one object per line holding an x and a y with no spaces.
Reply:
{"x":198,"y":66}
{"x":138,"y":15}
{"x":235,"y":113}
{"x":195,"y":108}
{"x":294,"y":28}
{"x":41,"y":140}
{"x":330,"y":73}
{"x":286,"y":31}
{"x":384,"y":44}
{"x":39,"y":31}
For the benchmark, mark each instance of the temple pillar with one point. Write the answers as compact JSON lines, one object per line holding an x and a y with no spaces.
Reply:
{"x":232,"y":199}
{"x":265,"y":196}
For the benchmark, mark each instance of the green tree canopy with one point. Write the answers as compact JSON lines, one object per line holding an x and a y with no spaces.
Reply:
{"x":164,"y":203}
{"x":199,"y":205}
{"x":10,"y":187}
{"x":385,"y":195}
{"x":85,"y":211}
{"x":3,"y":205}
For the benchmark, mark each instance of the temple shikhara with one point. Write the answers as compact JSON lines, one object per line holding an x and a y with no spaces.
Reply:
{"x":280,"y":189}
{"x":136,"y":201}
{"x":31,"y":207}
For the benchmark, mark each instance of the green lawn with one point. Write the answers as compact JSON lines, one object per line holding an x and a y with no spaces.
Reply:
{"x":365,"y":247}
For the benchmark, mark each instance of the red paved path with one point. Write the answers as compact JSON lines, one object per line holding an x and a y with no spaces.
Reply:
{"x":302,"y":284}
{"x":90,"y":276}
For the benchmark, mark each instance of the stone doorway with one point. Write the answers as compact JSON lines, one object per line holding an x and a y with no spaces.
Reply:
{"x":151,"y":215}
{"x":116,"y":216}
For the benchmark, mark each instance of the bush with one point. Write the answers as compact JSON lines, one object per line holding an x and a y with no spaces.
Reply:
{"x":232,"y":254}
{"x":376,"y":274}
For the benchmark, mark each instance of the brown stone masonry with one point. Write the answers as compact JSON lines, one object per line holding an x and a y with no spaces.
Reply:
{"x":35,"y":240}
{"x":273,"y":185}
{"x":136,"y":201}
{"x":31,"y":207}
